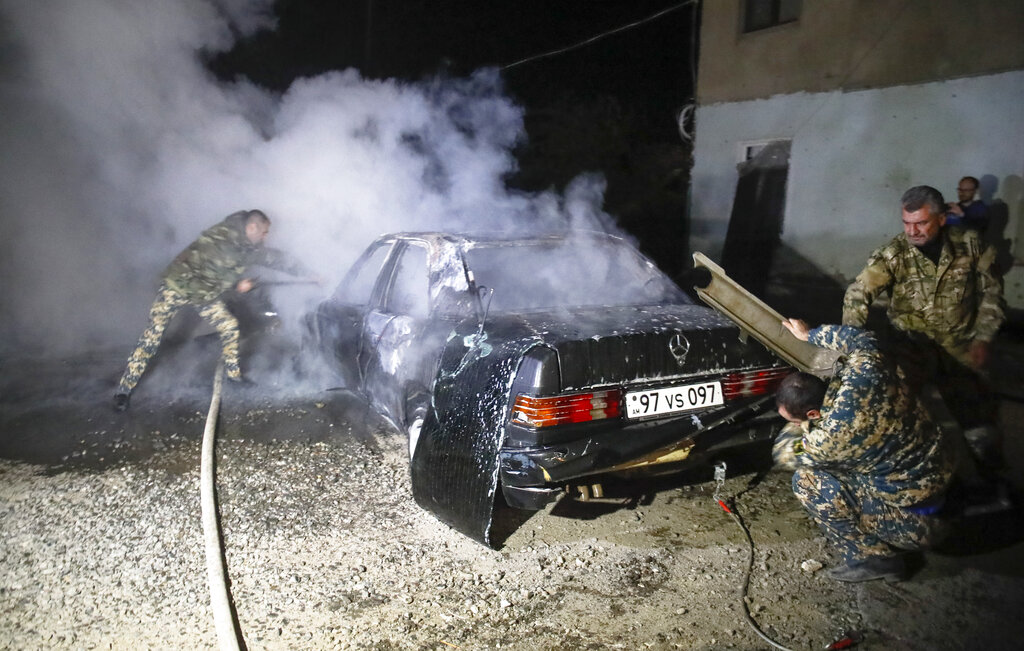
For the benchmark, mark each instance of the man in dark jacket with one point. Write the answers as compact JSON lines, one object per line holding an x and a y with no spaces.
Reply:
{"x":198,"y":277}
{"x":967,"y":212}
{"x":871,"y":468}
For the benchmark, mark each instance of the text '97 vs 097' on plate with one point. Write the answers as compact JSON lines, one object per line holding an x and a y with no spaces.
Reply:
{"x":670,"y":400}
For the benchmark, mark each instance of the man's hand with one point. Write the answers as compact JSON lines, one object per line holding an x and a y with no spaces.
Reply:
{"x":798,"y":327}
{"x":788,"y":447}
{"x":244,"y":285}
{"x":955,"y":209}
{"x":979,"y":354}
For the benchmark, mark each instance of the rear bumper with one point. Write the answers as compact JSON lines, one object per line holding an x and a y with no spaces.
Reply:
{"x":532,"y":476}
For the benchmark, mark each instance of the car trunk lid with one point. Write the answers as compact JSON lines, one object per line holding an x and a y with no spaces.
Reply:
{"x":627,"y":346}
{"x":755,"y":317}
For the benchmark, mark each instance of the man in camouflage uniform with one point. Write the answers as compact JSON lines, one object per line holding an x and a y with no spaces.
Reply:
{"x":198,"y":277}
{"x":946,"y":306}
{"x":869,"y":466}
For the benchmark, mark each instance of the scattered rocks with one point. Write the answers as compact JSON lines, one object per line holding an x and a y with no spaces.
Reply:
{"x":811,"y":566}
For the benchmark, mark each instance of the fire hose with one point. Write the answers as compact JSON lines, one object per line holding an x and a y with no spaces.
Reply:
{"x":229,"y":634}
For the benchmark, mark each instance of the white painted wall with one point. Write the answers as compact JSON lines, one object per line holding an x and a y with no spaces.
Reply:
{"x":854,"y":153}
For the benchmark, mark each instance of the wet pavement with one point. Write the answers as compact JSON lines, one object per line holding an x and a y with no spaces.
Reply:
{"x":58,"y":412}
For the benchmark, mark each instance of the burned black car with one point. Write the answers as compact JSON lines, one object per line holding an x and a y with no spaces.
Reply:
{"x":527,"y":366}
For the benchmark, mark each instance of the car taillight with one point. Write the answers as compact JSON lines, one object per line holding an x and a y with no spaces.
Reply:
{"x":753,"y":383}
{"x":562,"y":410}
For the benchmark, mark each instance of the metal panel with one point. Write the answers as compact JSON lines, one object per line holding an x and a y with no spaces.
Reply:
{"x":757,"y":319}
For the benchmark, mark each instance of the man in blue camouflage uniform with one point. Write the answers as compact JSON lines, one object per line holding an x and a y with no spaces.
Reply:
{"x":211,"y":265}
{"x":870,"y":467}
{"x":945,"y":308}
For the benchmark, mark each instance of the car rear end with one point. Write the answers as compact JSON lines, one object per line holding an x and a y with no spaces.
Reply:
{"x":657,"y":390}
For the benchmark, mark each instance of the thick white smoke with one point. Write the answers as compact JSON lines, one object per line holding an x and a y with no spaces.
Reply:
{"x":119,"y":147}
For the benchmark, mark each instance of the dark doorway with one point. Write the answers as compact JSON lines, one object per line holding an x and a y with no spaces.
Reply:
{"x":755,"y":224}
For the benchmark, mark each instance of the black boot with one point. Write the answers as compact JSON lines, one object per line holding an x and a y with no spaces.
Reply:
{"x":121,"y":401}
{"x":890,"y":568}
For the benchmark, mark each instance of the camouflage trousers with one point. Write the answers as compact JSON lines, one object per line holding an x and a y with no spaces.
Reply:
{"x":859,"y":524}
{"x":166,"y":305}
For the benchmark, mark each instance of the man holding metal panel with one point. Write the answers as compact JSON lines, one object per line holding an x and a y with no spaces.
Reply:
{"x":870,"y":467}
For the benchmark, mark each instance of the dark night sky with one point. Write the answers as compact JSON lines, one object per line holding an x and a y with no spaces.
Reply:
{"x":646,"y":67}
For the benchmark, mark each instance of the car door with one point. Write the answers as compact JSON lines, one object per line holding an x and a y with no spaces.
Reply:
{"x":340,"y":321}
{"x":390,"y":353}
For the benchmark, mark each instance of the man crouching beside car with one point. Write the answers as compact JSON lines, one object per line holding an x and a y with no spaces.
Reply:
{"x":870,"y":466}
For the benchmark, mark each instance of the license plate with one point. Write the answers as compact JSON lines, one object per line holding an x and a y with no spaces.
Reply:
{"x":672,"y":400}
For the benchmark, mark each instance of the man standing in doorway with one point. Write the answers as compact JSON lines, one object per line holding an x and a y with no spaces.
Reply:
{"x":214,"y":263}
{"x":946,"y":306}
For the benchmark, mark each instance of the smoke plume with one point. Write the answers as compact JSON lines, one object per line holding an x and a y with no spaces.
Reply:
{"x":119,"y":147}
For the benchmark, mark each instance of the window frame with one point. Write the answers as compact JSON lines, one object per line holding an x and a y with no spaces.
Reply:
{"x":775,"y":19}
{"x":343,"y":293}
{"x":391,"y":290}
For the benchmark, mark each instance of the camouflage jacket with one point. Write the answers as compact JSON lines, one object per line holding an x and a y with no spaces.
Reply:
{"x":954,"y":303}
{"x":217,"y":259}
{"x":872,"y":426}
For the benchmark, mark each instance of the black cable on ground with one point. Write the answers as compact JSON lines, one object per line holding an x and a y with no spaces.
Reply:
{"x":719,"y":480}
{"x":746,"y":580}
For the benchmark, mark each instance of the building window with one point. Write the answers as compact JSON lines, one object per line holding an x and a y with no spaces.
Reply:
{"x":762,"y":14}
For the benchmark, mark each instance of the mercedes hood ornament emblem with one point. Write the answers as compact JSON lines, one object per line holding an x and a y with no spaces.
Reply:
{"x":679,"y":346}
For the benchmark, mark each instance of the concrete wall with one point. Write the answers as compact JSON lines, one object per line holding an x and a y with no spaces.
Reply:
{"x":855,"y":44}
{"x":854,"y":153}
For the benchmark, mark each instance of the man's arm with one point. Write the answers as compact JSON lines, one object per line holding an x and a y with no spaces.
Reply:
{"x":788,"y":449}
{"x":845,"y":419}
{"x":281,"y":261}
{"x":872,"y":281}
{"x":844,"y":339}
{"x":991,"y":308}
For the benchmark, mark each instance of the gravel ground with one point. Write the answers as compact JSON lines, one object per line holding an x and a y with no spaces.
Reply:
{"x":101,"y":547}
{"x":326,"y":550}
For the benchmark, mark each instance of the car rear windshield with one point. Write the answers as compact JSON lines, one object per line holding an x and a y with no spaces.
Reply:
{"x":568,"y":273}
